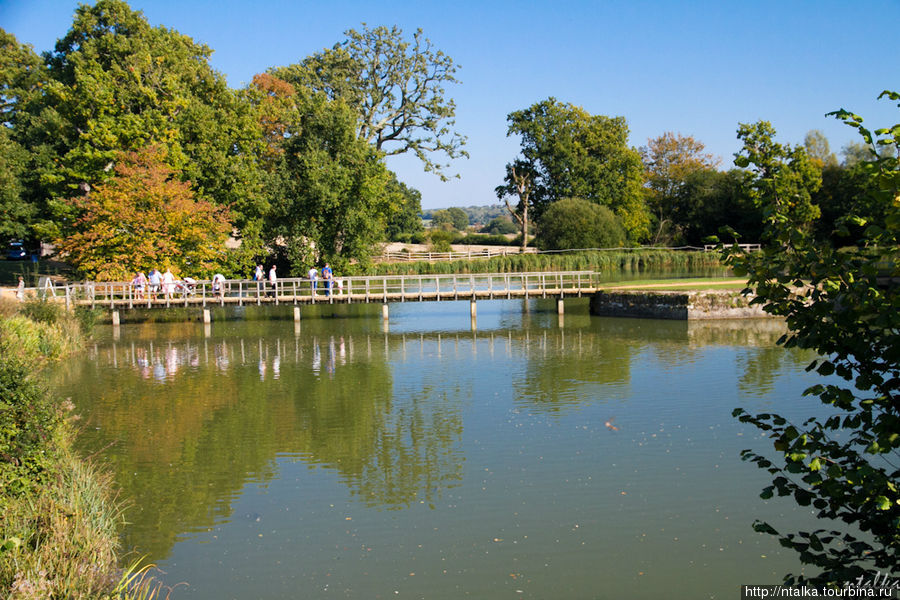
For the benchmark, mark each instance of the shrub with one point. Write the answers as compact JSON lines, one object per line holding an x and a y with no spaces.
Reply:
{"x":500,"y":226}
{"x":42,"y":311}
{"x":440,"y":240}
{"x":576,"y":223}
{"x":28,"y":427}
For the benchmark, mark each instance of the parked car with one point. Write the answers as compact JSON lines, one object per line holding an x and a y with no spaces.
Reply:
{"x":16,"y":251}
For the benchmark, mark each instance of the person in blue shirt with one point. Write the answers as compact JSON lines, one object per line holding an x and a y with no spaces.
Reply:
{"x":328,"y":276}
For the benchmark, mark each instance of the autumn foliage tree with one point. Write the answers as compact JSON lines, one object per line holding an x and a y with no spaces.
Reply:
{"x":144,"y":217}
{"x":670,"y":160}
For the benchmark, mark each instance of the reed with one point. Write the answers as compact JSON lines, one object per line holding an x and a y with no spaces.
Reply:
{"x":616,"y":260}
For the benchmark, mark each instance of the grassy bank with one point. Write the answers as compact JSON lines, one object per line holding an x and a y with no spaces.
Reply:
{"x":620,"y":260}
{"x":58,"y":521}
{"x":682,"y":285}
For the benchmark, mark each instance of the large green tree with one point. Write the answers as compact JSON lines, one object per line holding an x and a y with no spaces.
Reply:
{"x":330,"y":190}
{"x":844,"y":303}
{"x":573,"y":153}
{"x":396,"y":88}
{"x":119,"y":84}
{"x":22,"y":79}
{"x":785,"y":178}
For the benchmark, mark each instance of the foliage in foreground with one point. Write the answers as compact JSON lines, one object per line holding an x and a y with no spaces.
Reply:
{"x":845,"y":304}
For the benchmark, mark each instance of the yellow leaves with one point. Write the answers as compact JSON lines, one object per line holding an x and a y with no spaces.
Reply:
{"x":142,"y":216}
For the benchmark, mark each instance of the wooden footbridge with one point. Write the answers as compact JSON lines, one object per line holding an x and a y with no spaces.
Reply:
{"x":120,"y":295}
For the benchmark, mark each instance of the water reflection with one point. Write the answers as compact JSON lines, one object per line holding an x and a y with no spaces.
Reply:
{"x":190,"y":420}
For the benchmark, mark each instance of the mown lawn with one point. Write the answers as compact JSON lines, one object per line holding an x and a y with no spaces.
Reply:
{"x":680,"y":285}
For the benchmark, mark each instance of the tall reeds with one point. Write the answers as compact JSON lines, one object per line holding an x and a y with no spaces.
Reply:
{"x":617,"y":260}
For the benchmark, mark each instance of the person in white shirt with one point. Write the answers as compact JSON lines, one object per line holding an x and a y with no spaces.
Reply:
{"x":168,"y":283}
{"x":313,"y":276}
{"x":273,"y":279}
{"x":218,"y":284}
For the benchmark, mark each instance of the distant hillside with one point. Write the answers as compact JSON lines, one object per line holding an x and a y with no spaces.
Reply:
{"x":477,"y":214}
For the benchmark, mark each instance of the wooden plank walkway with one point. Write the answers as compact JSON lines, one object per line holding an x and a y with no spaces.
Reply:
{"x":117,"y":295}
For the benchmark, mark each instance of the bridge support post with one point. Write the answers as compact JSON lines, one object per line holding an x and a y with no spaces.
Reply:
{"x":115,"y":318}
{"x":207,"y":318}
{"x":296,"y":314}
{"x":384,"y":311}
{"x":472,"y":309}
{"x":560,"y":306}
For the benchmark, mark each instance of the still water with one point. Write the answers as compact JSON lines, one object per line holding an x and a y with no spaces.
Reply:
{"x":531,"y":457}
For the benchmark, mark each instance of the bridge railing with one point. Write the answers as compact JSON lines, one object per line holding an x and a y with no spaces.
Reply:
{"x":347,"y":289}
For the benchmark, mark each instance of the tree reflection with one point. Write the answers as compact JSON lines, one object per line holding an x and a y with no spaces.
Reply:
{"x":600,"y":358}
{"x":185,"y":422}
{"x":183,"y":439}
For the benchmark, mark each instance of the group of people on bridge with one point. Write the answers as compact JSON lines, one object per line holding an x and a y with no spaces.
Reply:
{"x":156,"y":284}
{"x":313,"y":275}
{"x":327,"y":277}
{"x":166,"y":284}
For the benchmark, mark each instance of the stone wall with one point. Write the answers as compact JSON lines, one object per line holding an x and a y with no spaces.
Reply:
{"x":681,"y":306}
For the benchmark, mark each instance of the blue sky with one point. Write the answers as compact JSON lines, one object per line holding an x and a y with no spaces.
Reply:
{"x":698,"y":68}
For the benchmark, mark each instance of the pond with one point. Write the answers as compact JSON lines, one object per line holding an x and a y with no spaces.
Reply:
{"x":530,"y":457}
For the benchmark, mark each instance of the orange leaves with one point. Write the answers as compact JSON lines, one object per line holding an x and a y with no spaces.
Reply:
{"x":144,"y":217}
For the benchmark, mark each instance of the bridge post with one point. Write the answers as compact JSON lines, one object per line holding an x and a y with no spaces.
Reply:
{"x":115,"y":318}
{"x":384,"y":311}
{"x":560,"y":306}
{"x":472,"y":310}
{"x":207,"y":318}
{"x":296,"y":313}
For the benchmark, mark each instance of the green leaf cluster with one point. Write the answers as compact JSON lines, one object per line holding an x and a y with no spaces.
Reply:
{"x":394,"y":85}
{"x":843,"y":302}
{"x":575,"y":223}
{"x":328,"y":189}
{"x":568,"y":152}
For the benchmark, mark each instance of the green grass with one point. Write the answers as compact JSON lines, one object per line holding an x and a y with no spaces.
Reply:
{"x":680,"y":285}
